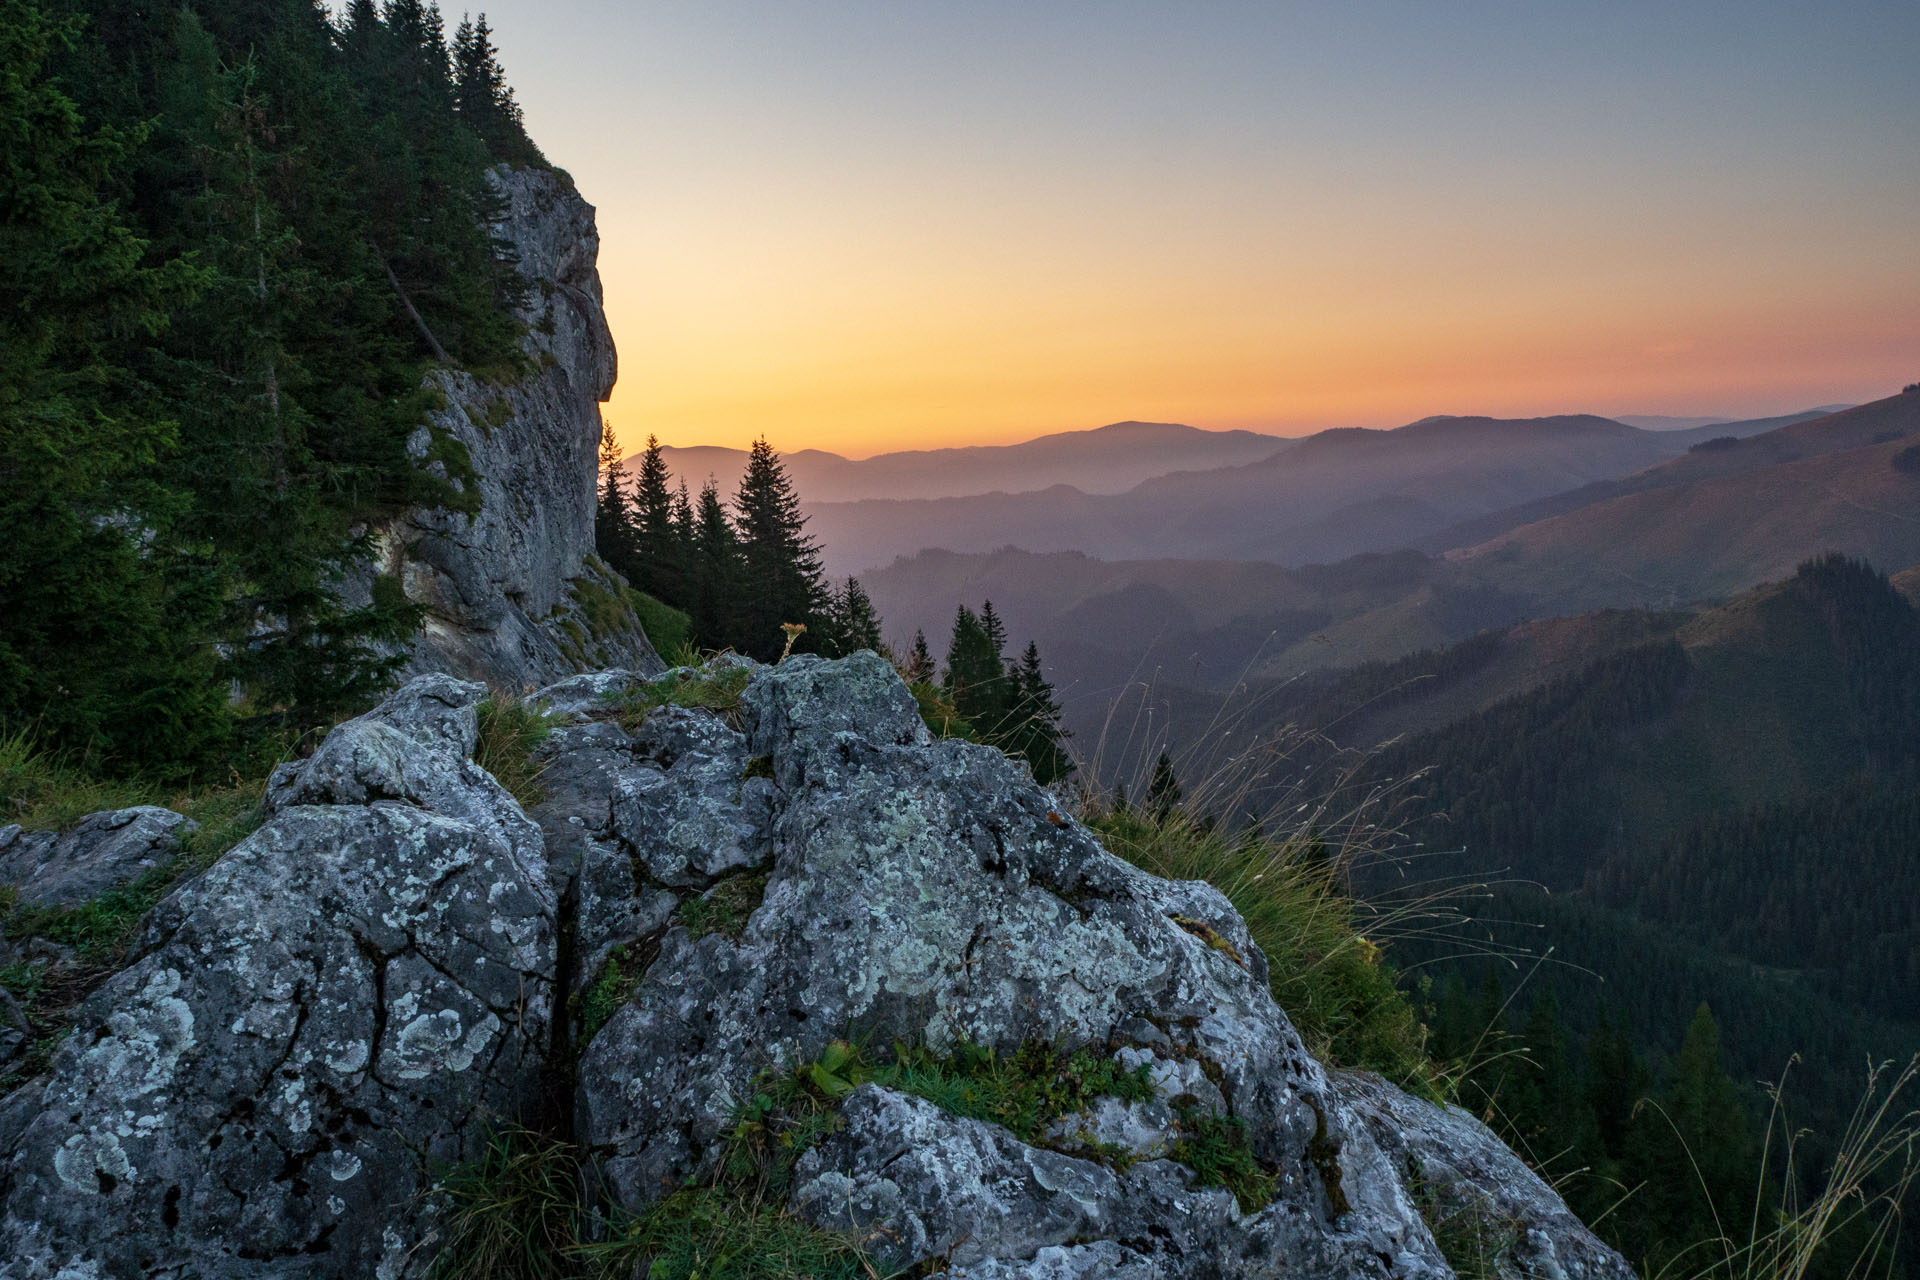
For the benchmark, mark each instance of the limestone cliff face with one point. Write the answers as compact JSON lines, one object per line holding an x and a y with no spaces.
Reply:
{"x":514,"y":593}
{"x":313,"y":1030}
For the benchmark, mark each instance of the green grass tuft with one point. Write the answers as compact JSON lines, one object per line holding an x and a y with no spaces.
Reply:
{"x":514,"y":1213}
{"x":1215,"y":1147}
{"x":682,"y":687}
{"x":716,"y":1234}
{"x":938,"y":714}
{"x":1026,"y":1090}
{"x":1334,"y":984}
{"x":668,"y":629}
{"x":510,"y":731}
{"x":43,"y":791}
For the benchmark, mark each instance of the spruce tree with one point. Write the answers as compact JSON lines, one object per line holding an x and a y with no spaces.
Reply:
{"x":483,"y":98}
{"x":975,"y":680}
{"x":1036,"y":729}
{"x":1163,"y":789}
{"x":718,"y":573}
{"x":780,"y":565}
{"x":920,"y":668}
{"x":105,"y":638}
{"x":613,"y":531}
{"x":856,"y":625}
{"x":657,"y":562}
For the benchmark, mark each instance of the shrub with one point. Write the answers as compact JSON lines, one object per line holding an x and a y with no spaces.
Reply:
{"x":1907,"y":461}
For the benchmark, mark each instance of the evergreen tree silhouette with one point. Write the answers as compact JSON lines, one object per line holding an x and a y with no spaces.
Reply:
{"x":717,"y":572}
{"x":612,"y":519}
{"x":1163,"y":789}
{"x":658,"y":568}
{"x":779,"y":562}
{"x":919,"y":660}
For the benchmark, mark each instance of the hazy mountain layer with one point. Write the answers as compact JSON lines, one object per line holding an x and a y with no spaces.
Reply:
{"x":1329,"y":496}
{"x":1707,"y":529}
{"x":1716,"y":521}
{"x":1109,"y":459}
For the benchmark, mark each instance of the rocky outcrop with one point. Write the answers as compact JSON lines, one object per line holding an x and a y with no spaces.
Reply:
{"x":103,"y":852}
{"x":514,"y":593}
{"x":311,"y":1028}
{"x":1472,"y":1182}
{"x":341,"y":1003}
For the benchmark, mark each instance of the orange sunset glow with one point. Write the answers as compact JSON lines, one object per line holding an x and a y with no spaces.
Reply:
{"x":934,"y":230}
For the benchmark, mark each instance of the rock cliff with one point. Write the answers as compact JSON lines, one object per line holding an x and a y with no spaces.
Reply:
{"x":515,"y":595}
{"x":701,"y":904}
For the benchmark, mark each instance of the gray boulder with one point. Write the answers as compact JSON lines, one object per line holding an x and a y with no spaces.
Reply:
{"x":336,"y":1009}
{"x":931,"y":893}
{"x":1473,"y":1179}
{"x":103,"y":851}
{"x":314,"y":1029}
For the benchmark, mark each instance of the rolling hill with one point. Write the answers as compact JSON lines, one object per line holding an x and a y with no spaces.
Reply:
{"x":1714,"y":522}
{"x":1709,"y":452}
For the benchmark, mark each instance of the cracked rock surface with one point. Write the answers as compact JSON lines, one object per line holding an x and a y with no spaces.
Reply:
{"x":1468,"y":1171}
{"x":333,"y":1012}
{"x":308,"y":1027}
{"x":929,"y":892}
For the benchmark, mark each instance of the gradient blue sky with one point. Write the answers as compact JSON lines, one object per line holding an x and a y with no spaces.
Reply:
{"x":871,"y":226}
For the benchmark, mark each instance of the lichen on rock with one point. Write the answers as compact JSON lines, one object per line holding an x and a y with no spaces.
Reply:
{"x":313,"y":1030}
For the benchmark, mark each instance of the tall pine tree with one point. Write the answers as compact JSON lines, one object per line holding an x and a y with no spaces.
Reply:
{"x":781,"y":580}
{"x":718,"y":572}
{"x":657,"y":564}
{"x":613,"y":531}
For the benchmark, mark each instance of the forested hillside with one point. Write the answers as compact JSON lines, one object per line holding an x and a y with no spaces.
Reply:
{"x":239,"y":235}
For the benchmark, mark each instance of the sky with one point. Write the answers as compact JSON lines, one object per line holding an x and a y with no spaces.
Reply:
{"x":874,"y":226}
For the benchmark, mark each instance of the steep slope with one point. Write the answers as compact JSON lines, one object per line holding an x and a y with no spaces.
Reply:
{"x":1716,"y":522}
{"x":1709,"y":440}
{"x":1109,"y":459}
{"x":1331,"y":495}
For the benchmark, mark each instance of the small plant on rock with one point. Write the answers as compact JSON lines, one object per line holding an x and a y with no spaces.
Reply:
{"x":682,"y":687}
{"x":510,"y":731}
{"x":1215,"y":1147}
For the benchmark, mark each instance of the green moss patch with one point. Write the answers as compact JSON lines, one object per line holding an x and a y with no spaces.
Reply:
{"x":1215,"y":1147}
{"x":610,"y":989}
{"x":725,"y":908}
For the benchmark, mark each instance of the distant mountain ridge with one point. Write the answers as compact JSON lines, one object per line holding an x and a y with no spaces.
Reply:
{"x":1705,"y":526}
{"x":1327,"y":496}
{"x":1109,"y":459}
